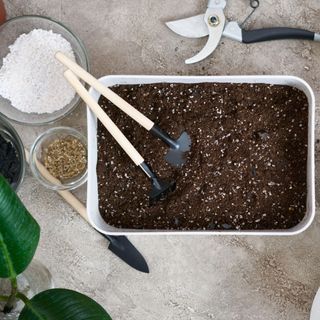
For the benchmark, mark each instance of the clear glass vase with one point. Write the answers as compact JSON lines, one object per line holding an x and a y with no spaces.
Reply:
{"x":36,"y":278}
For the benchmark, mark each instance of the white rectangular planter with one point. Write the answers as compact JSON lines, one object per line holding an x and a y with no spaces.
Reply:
{"x":92,"y":188}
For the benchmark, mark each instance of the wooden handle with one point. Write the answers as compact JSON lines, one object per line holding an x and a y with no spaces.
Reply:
{"x":102,"y":116}
{"x":105,"y":91}
{"x":66,"y":195}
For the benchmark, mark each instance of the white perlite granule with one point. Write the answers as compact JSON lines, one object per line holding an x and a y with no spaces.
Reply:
{"x":31,"y":78}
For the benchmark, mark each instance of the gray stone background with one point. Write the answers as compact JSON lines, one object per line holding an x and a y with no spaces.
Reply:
{"x":204,"y":277}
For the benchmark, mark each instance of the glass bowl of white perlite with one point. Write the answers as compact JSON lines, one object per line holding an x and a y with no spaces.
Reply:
{"x":33,"y":90}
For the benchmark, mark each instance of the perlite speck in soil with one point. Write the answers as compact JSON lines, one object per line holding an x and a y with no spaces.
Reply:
{"x":31,"y":78}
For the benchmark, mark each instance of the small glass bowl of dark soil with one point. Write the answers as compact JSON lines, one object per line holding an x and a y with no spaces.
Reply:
{"x":58,"y":158}
{"x":12,"y":155}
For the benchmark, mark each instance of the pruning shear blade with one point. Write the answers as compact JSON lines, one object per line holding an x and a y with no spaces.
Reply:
{"x":193,"y":27}
{"x":214,"y":20}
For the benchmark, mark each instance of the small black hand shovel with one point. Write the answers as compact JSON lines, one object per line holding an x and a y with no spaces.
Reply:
{"x":178,"y":148}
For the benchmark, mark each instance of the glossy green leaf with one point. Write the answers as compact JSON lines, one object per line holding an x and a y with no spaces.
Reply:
{"x":19,"y":233}
{"x":62,"y":304}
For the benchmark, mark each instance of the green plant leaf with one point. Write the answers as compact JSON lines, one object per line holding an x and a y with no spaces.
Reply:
{"x":62,"y":304}
{"x":19,"y":233}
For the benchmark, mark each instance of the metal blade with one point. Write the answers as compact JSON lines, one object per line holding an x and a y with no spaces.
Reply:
{"x":315,"y":310}
{"x":215,"y":33}
{"x":127,"y":252}
{"x":193,"y":27}
{"x":184,"y":142}
{"x":177,"y":157}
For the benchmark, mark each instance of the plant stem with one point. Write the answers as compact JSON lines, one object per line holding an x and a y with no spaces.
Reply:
{"x":4,"y":298}
{"x":11,"y":299}
{"x":22,"y":297}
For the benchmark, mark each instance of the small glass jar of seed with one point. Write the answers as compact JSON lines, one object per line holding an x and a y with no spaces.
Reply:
{"x":58,"y":158}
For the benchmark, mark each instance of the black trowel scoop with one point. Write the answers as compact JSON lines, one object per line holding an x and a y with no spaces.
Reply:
{"x":178,"y":148}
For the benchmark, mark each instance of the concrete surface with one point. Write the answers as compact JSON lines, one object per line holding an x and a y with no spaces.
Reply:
{"x":221,"y":278}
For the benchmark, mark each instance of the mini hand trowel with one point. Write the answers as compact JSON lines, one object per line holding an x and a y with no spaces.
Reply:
{"x":213,"y":24}
{"x":178,"y":148}
{"x":119,"y":245}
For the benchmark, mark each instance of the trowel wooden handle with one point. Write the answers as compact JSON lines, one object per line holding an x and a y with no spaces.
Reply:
{"x":105,"y":91}
{"x":66,"y":195}
{"x":105,"y":120}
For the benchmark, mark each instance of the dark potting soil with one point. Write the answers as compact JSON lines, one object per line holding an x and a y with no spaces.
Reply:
{"x":246,"y":168}
{"x":9,"y":161}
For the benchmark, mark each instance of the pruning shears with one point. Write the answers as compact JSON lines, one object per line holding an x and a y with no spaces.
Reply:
{"x":214,"y":25}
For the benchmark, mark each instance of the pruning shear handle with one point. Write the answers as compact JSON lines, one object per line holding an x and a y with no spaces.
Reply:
{"x":280,"y":33}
